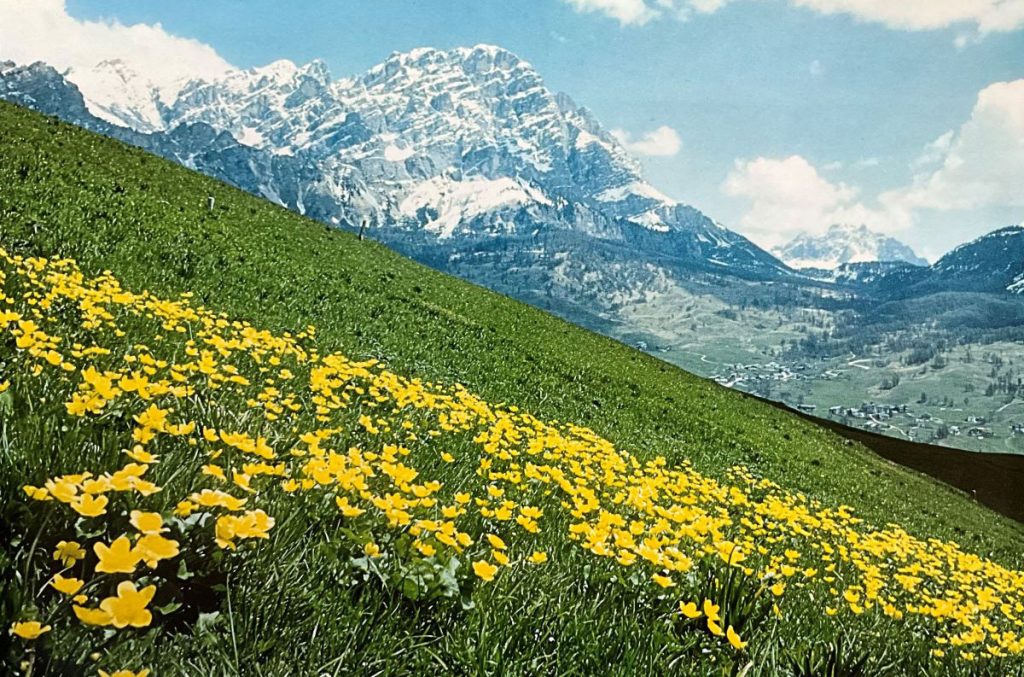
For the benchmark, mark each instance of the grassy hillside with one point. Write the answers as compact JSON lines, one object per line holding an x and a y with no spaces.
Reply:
{"x":316,"y":596}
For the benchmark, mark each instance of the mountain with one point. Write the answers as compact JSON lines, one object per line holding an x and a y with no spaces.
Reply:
{"x":844,"y":244}
{"x":465,"y":143}
{"x":462,"y":159}
{"x":990,"y":263}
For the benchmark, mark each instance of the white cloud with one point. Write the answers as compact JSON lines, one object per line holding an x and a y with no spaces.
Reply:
{"x":789,"y":196}
{"x":985,"y":16}
{"x":988,"y":15}
{"x":42,"y":30}
{"x":979,"y":165}
{"x":627,"y":12}
{"x":816,"y":69}
{"x":661,"y":142}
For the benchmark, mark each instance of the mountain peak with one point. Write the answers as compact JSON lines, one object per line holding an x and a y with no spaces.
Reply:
{"x":844,"y":243}
{"x":473,"y":62}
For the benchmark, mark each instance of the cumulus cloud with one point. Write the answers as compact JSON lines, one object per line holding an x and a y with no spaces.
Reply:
{"x":789,"y":196}
{"x":979,"y":165}
{"x":627,"y":12}
{"x":985,"y":16}
{"x":42,"y":30}
{"x":989,"y":16}
{"x":661,"y":142}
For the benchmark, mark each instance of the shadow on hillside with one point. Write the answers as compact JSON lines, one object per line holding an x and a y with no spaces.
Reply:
{"x":995,"y":480}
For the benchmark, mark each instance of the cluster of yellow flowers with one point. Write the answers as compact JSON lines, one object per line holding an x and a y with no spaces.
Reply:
{"x":248,"y":414}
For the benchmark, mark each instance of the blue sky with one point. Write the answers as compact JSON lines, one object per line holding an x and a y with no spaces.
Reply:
{"x":788,"y":116}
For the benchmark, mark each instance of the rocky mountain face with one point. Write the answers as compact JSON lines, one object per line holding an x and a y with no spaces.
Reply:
{"x":845,"y":244}
{"x":463,"y":159}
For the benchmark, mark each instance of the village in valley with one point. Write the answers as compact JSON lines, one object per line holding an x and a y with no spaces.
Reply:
{"x":814,"y":387}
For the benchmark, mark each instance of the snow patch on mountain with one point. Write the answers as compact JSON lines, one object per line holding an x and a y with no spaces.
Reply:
{"x":639,"y":188}
{"x":447,"y":203}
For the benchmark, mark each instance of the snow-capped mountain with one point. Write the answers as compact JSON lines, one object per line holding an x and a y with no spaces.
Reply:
{"x":844,"y":244}
{"x":464,"y":143}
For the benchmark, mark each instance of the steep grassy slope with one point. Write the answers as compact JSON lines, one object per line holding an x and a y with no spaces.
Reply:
{"x":64,"y":192}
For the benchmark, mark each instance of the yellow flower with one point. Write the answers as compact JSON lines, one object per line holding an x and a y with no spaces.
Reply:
{"x":125,"y":673}
{"x":371,"y":549}
{"x":215,"y":471}
{"x":538,"y":557}
{"x":714,"y":627}
{"x":500,"y":557}
{"x":91,"y":616}
{"x":37,"y":493}
{"x":734,"y":639}
{"x":117,"y":558}
{"x":147,"y":522}
{"x":153,"y":547}
{"x":689,"y":609}
{"x":185,"y":508}
{"x":68,"y":586}
{"x":68,"y":552}
{"x":137,"y":453}
{"x":496,"y":542}
{"x":129,"y":606}
{"x":88,"y":505}
{"x":484,"y":569}
{"x":426,"y":549}
{"x":347,"y":509}
{"x":711,"y":610}
{"x":663,"y":581}
{"x":778,"y":589}
{"x":210,"y":498}
{"x":28,"y":629}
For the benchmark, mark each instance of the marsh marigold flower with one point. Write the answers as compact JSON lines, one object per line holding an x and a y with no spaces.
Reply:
{"x":29,"y":629}
{"x":734,"y":639}
{"x":68,"y":552}
{"x":68,"y":586}
{"x":485,"y":570}
{"x":117,"y":558}
{"x":129,"y":606}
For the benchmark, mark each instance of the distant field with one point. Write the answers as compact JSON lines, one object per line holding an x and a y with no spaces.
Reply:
{"x":706,"y":336}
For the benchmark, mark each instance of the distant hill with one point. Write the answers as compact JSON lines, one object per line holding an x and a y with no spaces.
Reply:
{"x":992,"y":263}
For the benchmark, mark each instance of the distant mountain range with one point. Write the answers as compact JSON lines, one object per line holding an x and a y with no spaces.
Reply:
{"x":844,"y":244}
{"x":465,"y":160}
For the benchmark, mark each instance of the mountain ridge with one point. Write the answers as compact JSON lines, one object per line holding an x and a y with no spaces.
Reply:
{"x":427,"y":147}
